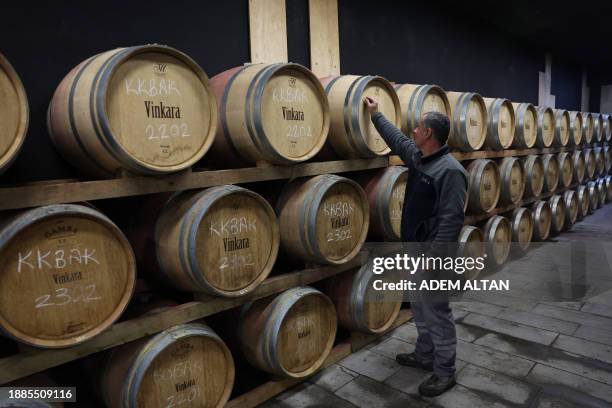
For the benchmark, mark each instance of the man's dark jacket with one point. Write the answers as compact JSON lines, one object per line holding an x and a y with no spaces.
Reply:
{"x":435,"y":191}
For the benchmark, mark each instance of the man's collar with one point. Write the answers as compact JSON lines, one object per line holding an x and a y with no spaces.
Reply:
{"x":439,"y":153}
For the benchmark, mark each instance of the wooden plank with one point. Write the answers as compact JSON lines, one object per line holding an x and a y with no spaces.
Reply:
{"x":272,"y":388}
{"x":268,"y":31}
{"x":324,"y":37}
{"x":31,"y":195}
{"x":360,"y":340}
{"x":35,"y":360}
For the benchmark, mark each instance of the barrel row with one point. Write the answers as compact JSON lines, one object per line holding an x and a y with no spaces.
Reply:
{"x":152,"y":110}
{"x":501,"y":235}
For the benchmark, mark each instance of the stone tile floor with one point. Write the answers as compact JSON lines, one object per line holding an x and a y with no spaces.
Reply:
{"x":509,"y":354}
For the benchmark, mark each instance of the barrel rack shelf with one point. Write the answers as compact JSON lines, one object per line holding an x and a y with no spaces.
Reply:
{"x":31,"y":360}
{"x":70,"y":191}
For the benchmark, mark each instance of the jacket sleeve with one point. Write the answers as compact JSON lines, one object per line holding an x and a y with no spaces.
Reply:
{"x":452,"y":199}
{"x":399,"y":143}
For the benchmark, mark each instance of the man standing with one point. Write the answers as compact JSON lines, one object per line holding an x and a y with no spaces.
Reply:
{"x":432,"y":212}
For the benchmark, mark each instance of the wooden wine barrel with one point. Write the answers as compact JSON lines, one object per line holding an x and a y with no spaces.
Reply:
{"x":562,"y":127}
{"x":471,"y":244}
{"x":468,"y":122}
{"x":68,"y":274}
{"x":415,"y":100}
{"x":590,"y":163}
{"x":323,"y":219}
{"x":584,"y":202}
{"x":607,"y":159}
{"x":551,"y":172}
{"x":557,"y":207}
{"x":597,"y":128}
{"x":484,"y":186}
{"x":593,"y":196}
{"x":546,"y":127}
{"x":352,"y":133}
{"x":289,"y":335}
{"x":600,"y":160}
{"x":385,"y":191}
{"x":359,"y":306}
{"x":500,"y":127}
{"x":587,"y":127}
{"x":542,"y":220}
{"x":609,"y":188}
{"x":525,"y":131}
{"x":497,"y":235}
{"x":575,"y":128}
{"x":274,"y":113}
{"x":512,"y":175}
{"x":570,"y":199}
{"x":578,"y":166}
{"x":566,"y":169}
{"x":601,"y":189}
{"x":146,"y":109}
{"x":605,"y":127}
{"x":522,"y":228}
{"x":187,"y":365}
{"x":534,"y":175}
{"x":14,"y":114}
{"x":222,"y":241}
{"x":608,"y":128}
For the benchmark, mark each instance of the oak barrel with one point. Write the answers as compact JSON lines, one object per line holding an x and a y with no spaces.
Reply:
{"x":602,"y":190}
{"x":468,"y":121}
{"x":534,"y":175}
{"x":546,"y":126}
{"x":590,"y":163}
{"x":609,"y":188}
{"x":551,"y":172}
{"x":562,"y":127}
{"x":186,"y":365}
{"x":522,"y":228}
{"x":608,"y":127}
{"x":352,"y":133}
{"x":597,"y":128}
{"x":566,"y":169}
{"x":484,"y":186}
{"x":289,"y":335}
{"x":512,"y":176}
{"x":557,"y":207}
{"x":587,"y":127}
{"x":323,"y":219}
{"x":500,"y":127}
{"x":600,"y":160}
{"x":359,"y":306}
{"x":68,"y":274}
{"x":607,"y":159}
{"x":145,"y":109}
{"x":415,"y":100}
{"x":542,"y":220}
{"x":584,"y":201}
{"x":526,"y":130}
{"x":570,"y":198}
{"x":222,"y":241}
{"x":471,"y":244}
{"x":497,"y":235}
{"x":593,"y":196}
{"x":14,"y":114}
{"x":578,"y":166}
{"x":385,"y":191}
{"x":575,"y":128}
{"x":275,"y":113}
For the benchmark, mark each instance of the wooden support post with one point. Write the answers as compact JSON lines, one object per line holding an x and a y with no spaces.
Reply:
{"x":268,"y":31}
{"x":324,"y":37}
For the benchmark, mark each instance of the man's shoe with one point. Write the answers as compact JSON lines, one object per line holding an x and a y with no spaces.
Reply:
{"x":434,"y":386}
{"x":410,"y":360}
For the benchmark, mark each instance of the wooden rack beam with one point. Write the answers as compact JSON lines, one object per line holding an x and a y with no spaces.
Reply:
{"x":49,"y":192}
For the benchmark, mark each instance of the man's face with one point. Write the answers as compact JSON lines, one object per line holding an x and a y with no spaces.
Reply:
{"x":421,"y":134}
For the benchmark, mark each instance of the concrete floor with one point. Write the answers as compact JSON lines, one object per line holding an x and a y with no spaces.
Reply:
{"x":511,"y":352}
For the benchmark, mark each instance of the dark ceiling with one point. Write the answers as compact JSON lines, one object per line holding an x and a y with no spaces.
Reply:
{"x":579,"y":31}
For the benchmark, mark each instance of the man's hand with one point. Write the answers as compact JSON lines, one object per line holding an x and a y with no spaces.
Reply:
{"x":371,"y":104}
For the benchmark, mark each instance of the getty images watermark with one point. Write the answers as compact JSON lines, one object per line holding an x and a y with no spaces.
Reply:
{"x":435,"y":273}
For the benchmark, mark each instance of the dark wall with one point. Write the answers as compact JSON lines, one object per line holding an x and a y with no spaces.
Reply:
{"x":410,"y":42}
{"x":566,"y":84}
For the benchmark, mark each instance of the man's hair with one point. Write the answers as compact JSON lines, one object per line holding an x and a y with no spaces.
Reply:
{"x":439,"y":125}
